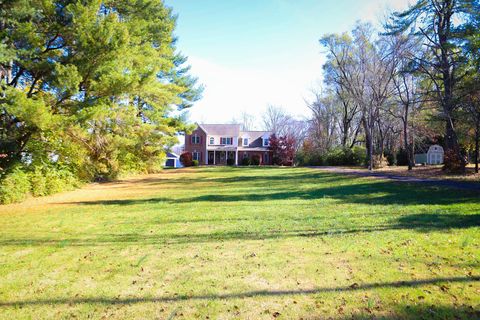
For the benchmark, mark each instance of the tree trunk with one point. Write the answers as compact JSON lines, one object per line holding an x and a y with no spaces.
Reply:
{"x":454,"y":161}
{"x":408,"y":148}
{"x":368,"y":142}
{"x":477,"y":138}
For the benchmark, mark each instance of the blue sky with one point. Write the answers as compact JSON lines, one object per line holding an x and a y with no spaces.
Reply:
{"x":251,"y":53}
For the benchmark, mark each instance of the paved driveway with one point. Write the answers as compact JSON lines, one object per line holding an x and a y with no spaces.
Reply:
{"x":383,"y":175}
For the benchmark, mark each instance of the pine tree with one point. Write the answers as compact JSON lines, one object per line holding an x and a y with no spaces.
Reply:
{"x":102,"y":78}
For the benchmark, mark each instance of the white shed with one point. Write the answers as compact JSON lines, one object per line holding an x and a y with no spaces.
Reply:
{"x":435,"y":154}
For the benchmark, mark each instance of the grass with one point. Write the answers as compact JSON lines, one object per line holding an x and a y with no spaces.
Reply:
{"x":243,"y":243}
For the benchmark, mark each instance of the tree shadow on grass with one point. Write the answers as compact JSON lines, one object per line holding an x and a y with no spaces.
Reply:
{"x":417,"y":222}
{"x":416,"y":311}
{"x":239,"y":295}
{"x":374,"y":193}
{"x":370,"y":192}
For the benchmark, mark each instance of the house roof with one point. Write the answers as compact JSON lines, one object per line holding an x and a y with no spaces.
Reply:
{"x":254,"y":135}
{"x":230,"y":130}
{"x":221,"y":129}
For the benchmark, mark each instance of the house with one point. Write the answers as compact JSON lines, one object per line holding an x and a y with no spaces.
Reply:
{"x":173,"y":160}
{"x":220,"y":144}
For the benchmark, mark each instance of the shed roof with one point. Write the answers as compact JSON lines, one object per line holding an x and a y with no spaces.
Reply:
{"x":435,"y":148}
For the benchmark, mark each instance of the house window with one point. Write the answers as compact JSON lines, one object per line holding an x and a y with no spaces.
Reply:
{"x":225,"y":141}
{"x":195,"y":139}
{"x":245,"y":141}
{"x":196,"y":155}
{"x":266,"y":142}
{"x":212,"y":140}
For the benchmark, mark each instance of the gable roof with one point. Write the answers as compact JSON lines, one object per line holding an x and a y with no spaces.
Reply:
{"x":253,"y":135}
{"x":221,"y":129}
{"x":232,"y":130}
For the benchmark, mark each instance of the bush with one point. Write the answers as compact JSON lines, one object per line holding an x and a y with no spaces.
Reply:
{"x":195,"y":163}
{"x":452,"y":162}
{"x":336,"y":157}
{"x":230,"y":162}
{"x":59,"y":180}
{"x":245,"y":162}
{"x":379,"y":161}
{"x":255,"y":161}
{"x":14,"y":186}
{"x":402,"y":158}
{"x":186,"y":159}
{"x":38,"y":183}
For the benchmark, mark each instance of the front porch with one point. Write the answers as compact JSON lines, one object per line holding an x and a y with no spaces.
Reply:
{"x":222,"y":157}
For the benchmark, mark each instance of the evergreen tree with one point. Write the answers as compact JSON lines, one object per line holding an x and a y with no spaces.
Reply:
{"x":97,"y":86}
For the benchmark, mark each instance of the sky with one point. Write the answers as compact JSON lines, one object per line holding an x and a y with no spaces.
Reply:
{"x":249,"y":54}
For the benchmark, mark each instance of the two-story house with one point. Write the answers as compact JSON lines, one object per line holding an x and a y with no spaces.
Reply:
{"x":219,"y":144}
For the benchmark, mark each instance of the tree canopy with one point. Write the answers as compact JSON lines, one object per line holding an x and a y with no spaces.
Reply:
{"x":96,"y":87}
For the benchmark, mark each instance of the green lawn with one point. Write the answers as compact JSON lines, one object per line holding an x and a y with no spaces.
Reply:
{"x":243,"y":243}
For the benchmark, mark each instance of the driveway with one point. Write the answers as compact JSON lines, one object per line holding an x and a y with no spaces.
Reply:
{"x":399,"y":178}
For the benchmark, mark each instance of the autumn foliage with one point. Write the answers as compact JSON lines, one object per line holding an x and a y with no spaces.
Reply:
{"x":283,"y":148}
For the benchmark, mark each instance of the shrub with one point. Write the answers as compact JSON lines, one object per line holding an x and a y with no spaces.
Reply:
{"x":230,"y":162}
{"x":402,"y":158}
{"x":379,"y":161}
{"x":38,"y":183}
{"x":255,"y":161}
{"x":14,"y":186}
{"x":452,"y":162}
{"x":59,"y":180}
{"x":336,"y":157}
{"x":195,"y":163}
{"x":186,"y":159}
{"x":245,"y":162}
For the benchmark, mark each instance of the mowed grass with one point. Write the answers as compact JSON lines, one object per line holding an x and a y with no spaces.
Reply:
{"x":243,"y":243}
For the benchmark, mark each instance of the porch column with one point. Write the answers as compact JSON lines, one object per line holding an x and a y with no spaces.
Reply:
{"x":236,"y":157}
{"x":213,"y":157}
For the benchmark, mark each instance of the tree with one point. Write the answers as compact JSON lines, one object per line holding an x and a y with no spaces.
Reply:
{"x":246,"y":121}
{"x":323,"y":124}
{"x":283,"y":149}
{"x":442,"y":27}
{"x":407,"y":93}
{"x":186,"y":159}
{"x":276,"y":120}
{"x":91,"y":85}
{"x":362,"y":68}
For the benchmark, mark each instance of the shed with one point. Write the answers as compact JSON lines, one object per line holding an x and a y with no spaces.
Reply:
{"x":421,"y":158}
{"x":173,"y":160}
{"x":435,"y":154}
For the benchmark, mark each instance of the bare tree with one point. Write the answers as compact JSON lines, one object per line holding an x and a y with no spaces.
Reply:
{"x":246,"y":121}
{"x":276,"y":120}
{"x":323,"y":127}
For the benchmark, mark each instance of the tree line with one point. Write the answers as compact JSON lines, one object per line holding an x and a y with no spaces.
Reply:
{"x":390,"y":93}
{"x":88,"y":90}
